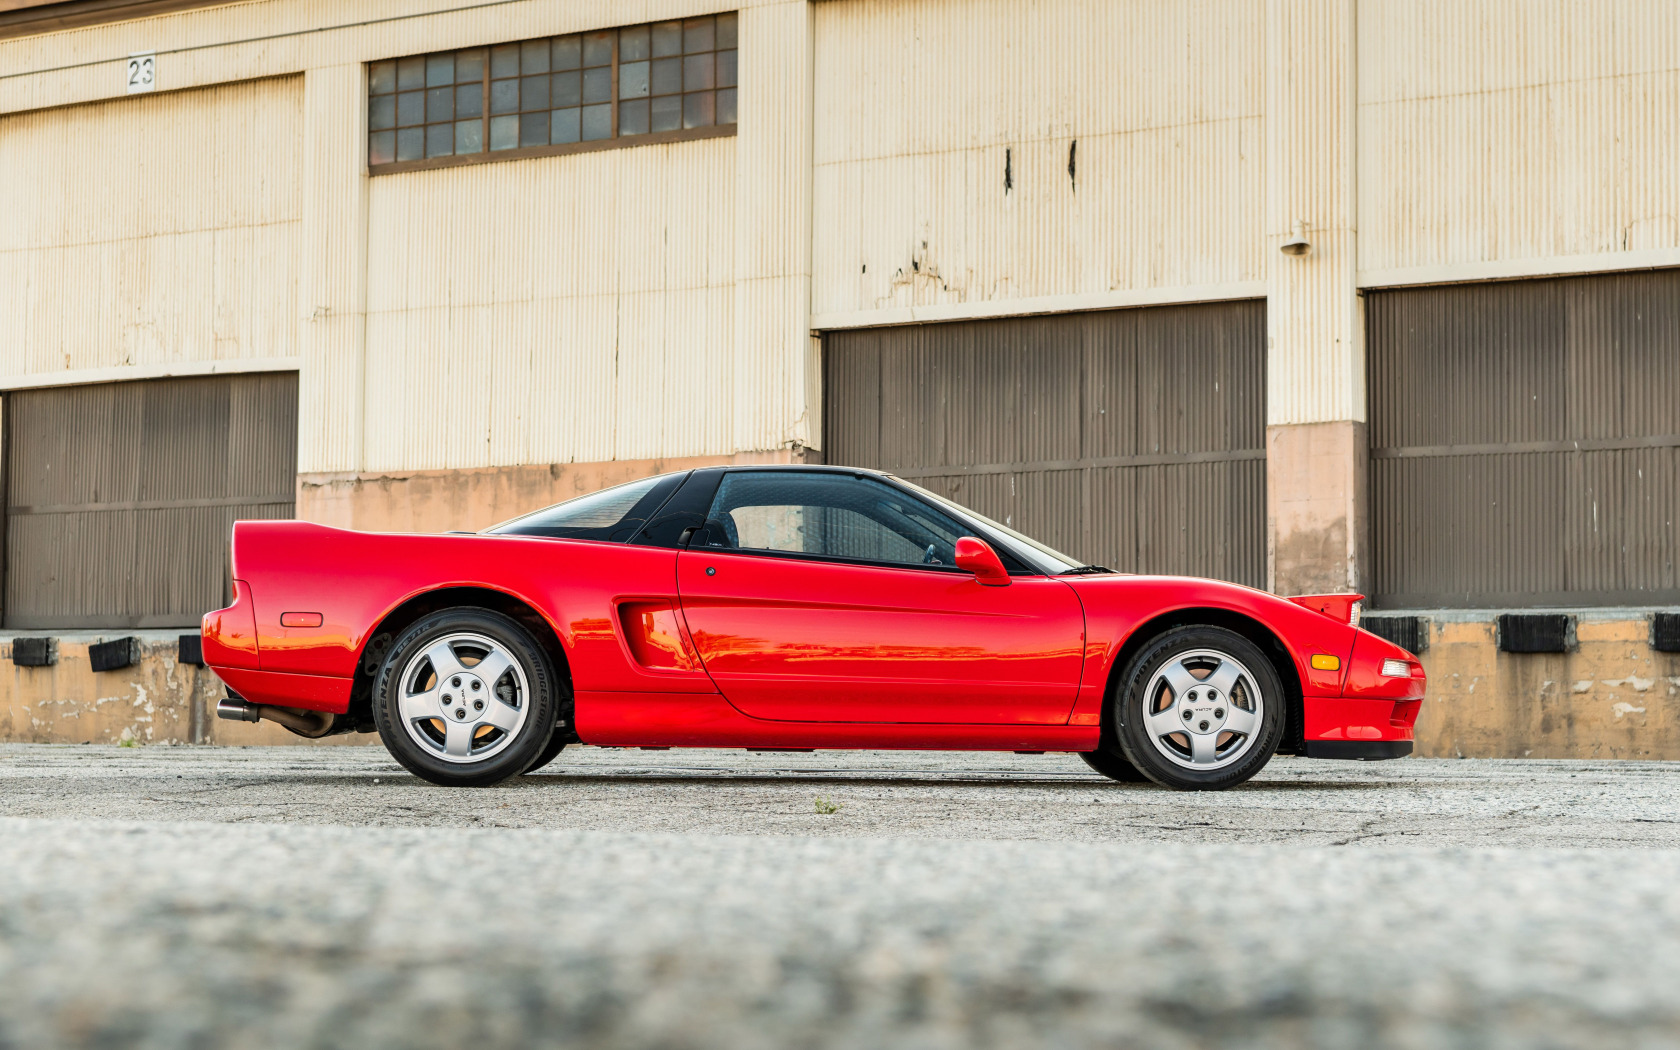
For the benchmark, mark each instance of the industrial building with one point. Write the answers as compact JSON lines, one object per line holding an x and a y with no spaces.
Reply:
{"x":1315,"y":295}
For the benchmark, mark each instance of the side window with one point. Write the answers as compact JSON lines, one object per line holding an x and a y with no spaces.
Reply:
{"x":614,"y":514}
{"x":828,"y":515}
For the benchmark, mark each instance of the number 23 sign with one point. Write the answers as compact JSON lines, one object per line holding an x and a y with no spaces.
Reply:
{"x":142,"y":72}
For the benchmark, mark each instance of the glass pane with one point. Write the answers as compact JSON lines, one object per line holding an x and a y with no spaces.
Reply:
{"x":597,"y":123}
{"x":563,"y":126}
{"x":568,"y":52}
{"x":632,"y":80}
{"x":533,"y":93}
{"x":667,"y":38}
{"x":633,"y":44}
{"x":597,"y":49}
{"x":829,"y":514}
{"x":665,"y":114}
{"x":469,"y":66}
{"x":699,"y":34}
{"x":699,"y":110}
{"x":504,"y":60}
{"x":440,"y":70}
{"x":726,"y":30}
{"x":504,"y":132}
{"x":726,"y":68}
{"x":382,"y":112}
{"x":382,"y":147}
{"x":440,"y":140}
{"x":411,"y":144}
{"x":411,"y":74}
{"x":469,"y":136}
{"x":633,"y":118}
{"x":440,"y":104}
{"x":504,"y":96}
{"x":533,"y":57}
{"x":382,"y":78}
{"x":411,"y":108}
{"x":567,"y":89}
{"x":614,"y":513}
{"x":726,"y":106}
{"x":597,"y":84}
{"x":697,"y":73}
{"x":469,"y":100}
{"x":533,"y":129}
{"x":667,"y":76}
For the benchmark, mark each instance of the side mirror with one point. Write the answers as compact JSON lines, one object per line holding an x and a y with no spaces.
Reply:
{"x":977,"y":556}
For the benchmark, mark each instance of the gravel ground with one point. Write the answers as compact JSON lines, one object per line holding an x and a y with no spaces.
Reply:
{"x":198,"y":897}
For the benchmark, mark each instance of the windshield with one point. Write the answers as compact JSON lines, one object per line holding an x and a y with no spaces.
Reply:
{"x":610,"y":514}
{"x":1047,"y":560}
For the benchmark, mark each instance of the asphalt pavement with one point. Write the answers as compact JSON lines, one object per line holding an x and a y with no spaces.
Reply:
{"x":321,"y":897}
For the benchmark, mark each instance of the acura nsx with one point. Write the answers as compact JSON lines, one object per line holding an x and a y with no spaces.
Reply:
{"x":787,"y":608}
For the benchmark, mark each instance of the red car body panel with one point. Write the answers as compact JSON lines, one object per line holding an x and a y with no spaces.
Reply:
{"x":772,"y":652}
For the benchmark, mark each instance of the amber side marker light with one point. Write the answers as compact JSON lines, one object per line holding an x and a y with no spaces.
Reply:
{"x":1321,"y":662}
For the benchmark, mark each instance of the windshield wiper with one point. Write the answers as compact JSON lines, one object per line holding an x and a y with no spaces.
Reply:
{"x":1086,"y":570}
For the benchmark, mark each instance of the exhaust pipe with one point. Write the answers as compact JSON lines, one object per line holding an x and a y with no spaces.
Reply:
{"x":299,"y":720}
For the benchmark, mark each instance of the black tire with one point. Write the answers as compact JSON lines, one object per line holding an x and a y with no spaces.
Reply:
{"x":524,"y":694}
{"x":1108,"y":761}
{"x":1209,"y":738}
{"x":556,"y":744}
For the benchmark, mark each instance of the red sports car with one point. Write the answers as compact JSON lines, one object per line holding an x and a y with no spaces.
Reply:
{"x":787,"y":608}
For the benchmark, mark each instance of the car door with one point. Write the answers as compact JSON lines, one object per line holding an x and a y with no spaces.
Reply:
{"x":831,"y":597}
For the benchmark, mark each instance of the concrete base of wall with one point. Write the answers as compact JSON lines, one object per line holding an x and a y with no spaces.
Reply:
{"x":158,"y":700}
{"x":1613,"y":697}
{"x":440,"y":500}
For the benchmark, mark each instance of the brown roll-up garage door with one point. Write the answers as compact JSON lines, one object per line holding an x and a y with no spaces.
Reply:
{"x":1525,"y":442}
{"x":120,"y":496}
{"x":1128,"y":438}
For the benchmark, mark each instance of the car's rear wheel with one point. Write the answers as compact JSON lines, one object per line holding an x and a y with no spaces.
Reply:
{"x":1199,"y":709}
{"x":466,"y":697}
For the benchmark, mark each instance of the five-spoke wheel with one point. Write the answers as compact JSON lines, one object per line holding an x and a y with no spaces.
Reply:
{"x":1198,"y":708}
{"x":466,"y":697}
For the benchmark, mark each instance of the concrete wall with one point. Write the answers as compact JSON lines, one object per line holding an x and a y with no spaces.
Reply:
{"x":156,"y":701}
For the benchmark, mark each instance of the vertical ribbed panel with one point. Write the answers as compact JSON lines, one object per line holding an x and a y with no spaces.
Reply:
{"x":582,"y":309}
{"x":774,"y":367}
{"x":1525,"y":442}
{"x":332,"y":288}
{"x":1316,"y":363}
{"x":1505,"y":130}
{"x":151,"y":230}
{"x":1130,"y":438}
{"x":121,"y":496}
{"x":928,"y":106}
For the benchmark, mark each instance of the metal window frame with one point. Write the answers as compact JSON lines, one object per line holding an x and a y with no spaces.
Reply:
{"x":614,"y":141}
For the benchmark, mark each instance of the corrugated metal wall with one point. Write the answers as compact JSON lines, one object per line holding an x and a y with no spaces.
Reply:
{"x":120,"y":497}
{"x":585,"y":312}
{"x":1525,"y":442}
{"x":945,"y":163}
{"x":1130,"y":438}
{"x":151,"y":230}
{"x":1501,"y":130}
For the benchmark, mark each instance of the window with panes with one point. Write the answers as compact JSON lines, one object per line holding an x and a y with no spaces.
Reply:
{"x":652,"y":82}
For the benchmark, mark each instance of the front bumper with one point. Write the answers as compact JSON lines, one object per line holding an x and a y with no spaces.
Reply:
{"x":1358,"y":750}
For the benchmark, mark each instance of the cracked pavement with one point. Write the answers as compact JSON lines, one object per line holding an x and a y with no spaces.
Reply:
{"x":190,"y":897}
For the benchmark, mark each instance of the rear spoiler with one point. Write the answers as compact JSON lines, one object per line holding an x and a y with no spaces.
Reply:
{"x":1343,"y":608}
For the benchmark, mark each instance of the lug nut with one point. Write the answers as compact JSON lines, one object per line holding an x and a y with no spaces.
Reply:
{"x":461,"y":712}
{"x":477,"y":687}
{"x":478,"y":705}
{"x":1219,"y":712}
{"x":1204,"y":727}
{"x":456,"y":681}
{"x":1188,"y":715}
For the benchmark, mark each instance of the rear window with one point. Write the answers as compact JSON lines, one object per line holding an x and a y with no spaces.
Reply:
{"x":615,"y":514}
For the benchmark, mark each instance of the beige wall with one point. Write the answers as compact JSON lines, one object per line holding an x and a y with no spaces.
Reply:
{"x":919,"y":101}
{"x":151,"y":232}
{"x":1513,"y":137}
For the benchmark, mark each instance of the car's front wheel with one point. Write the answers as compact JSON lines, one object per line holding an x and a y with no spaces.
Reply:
{"x":466,"y":697}
{"x":1199,"y":708}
